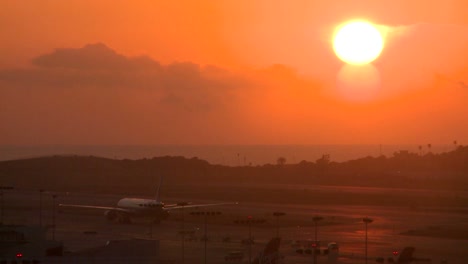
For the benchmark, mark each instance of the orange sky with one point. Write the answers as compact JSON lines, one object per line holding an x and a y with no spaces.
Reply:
{"x":229,"y":72}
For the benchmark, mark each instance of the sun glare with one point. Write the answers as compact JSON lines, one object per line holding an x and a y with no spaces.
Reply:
{"x":357,"y":42}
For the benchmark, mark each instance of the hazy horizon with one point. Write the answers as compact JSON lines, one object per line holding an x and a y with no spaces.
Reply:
{"x":231,"y":155}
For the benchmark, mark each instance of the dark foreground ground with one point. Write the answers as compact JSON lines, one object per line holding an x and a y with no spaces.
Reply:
{"x":433,"y":222}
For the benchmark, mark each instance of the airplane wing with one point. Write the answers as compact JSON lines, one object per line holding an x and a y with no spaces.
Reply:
{"x":93,"y":207}
{"x":172,"y":205}
{"x":176,"y":207}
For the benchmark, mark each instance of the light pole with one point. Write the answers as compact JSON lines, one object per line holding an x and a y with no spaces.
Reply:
{"x":40,"y":206}
{"x":367,"y":221}
{"x":54,"y":196}
{"x":316,"y":219}
{"x":205,"y":214}
{"x":183,"y":204}
{"x":1,"y":206}
{"x":249,"y":220}
{"x":277,"y":215}
{"x":206,"y":228}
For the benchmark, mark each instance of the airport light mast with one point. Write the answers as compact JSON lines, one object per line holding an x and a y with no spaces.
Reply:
{"x":41,"y":191}
{"x":205,"y":214}
{"x":54,"y":196}
{"x":249,"y":219}
{"x":316,"y":219}
{"x":1,"y":207}
{"x":277,"y":215}
{"x":367,"y":221}
{"x":183,"y":204}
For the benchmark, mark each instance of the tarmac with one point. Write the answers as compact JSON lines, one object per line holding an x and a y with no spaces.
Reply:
{"x":437,"y":232}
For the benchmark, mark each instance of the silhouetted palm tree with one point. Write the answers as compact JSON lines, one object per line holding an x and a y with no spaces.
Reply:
{"x":281,"y":161}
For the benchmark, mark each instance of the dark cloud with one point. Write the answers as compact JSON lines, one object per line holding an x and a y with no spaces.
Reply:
{"x":183,"y":85}
{"x":71,"y":92}
{"x":94,"y":56}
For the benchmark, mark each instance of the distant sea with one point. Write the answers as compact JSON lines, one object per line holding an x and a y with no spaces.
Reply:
{"x":230,"y":155}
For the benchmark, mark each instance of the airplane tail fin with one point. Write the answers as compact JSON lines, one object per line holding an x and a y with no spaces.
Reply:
{"x":406,"y":255}
{"x":270,"y":254}
{"x":158,"y":194}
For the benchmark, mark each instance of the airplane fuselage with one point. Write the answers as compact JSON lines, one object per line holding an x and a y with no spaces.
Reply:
{"x":136,"y":207}
{"x":140,"y":205}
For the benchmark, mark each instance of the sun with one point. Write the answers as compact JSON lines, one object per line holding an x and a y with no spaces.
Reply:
{"x":357,"y":42}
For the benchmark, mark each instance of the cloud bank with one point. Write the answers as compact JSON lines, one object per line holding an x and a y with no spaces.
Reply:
{"x":94,"y":95}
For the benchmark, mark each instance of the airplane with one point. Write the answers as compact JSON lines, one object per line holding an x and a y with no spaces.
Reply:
{"x":138,"y":207}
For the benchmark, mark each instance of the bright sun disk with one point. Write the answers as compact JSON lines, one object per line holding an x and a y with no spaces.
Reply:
{"x":358,"y":42}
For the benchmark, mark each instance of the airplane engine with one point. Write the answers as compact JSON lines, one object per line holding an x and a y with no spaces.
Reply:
{"x":111,"y":215}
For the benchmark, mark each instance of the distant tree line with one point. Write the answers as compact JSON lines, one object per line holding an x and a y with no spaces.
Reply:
{"x":404,"y":169}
